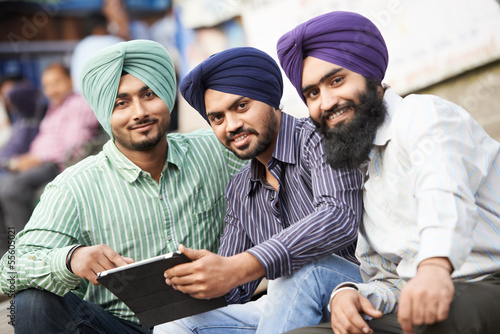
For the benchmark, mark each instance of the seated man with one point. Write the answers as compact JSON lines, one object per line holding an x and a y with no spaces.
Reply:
{"x":429,"y":242}
{"x":140,"y":197}
{"x":287,"y":209}
{"x":68,"y":124}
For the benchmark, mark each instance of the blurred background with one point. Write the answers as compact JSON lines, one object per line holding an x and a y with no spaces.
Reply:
{"x":449,"y":48}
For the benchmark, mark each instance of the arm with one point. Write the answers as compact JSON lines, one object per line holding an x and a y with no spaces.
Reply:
{"x":233,"y":270}
{"x":41,"y":248}
{"x":332,"y":227}
{"x":454,"y":159}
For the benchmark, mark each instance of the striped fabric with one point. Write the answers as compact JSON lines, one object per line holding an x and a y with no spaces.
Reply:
{"x":314,"y":213}
{"x":106,"y":199}
{"x":433,"y":191}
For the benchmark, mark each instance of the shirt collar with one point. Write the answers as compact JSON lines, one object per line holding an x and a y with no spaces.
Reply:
{"x":131,"y":172}
{"x":284,"y":151}
{"x":384,"y":133}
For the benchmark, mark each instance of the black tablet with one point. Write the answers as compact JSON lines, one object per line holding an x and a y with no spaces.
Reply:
{"x":141,"y":286}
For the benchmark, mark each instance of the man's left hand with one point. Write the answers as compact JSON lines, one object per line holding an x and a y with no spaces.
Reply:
{"x":427,"y":297}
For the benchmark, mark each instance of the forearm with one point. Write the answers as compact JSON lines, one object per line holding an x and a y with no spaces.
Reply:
{"x":42,"y":269}
{"x":319,"y":234}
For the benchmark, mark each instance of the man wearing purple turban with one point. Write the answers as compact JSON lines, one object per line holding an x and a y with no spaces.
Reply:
{"x":288,"y":210}
{"x":429,"y":243}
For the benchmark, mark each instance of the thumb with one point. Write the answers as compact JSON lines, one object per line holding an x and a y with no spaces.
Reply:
{"x":368,"y":308}
{"x":193,"y":254}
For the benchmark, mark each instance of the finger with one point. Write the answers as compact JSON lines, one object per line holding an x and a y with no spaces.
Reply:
{"x":404,"y":314}
{"x":113,"y":256}
{"x":193,"y":254}
{"x":368,"y":308}
{"x":179,"y":270}
{"x":431,"y":312}
{"x":418,"y":310}
{"x":442,"y":310}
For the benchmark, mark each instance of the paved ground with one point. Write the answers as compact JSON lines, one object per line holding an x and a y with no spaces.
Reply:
{"x":5,"y":328}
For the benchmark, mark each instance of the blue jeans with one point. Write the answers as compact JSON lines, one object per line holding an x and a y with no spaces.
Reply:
{"x":297,"y":300}
{"x":39,"y":311}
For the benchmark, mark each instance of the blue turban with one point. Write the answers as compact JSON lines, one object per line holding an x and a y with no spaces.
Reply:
{"x":146,"y":60}
{"x":241,"y":71}
{"x":346,"y":39}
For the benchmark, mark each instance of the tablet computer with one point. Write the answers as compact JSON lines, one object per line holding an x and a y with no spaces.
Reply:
{"x":141,"y":286}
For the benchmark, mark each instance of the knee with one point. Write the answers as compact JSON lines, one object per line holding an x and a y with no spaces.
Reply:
{"x":32,"y":304}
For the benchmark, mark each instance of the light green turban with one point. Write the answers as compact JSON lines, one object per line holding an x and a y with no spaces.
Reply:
{"x":146,"y":60}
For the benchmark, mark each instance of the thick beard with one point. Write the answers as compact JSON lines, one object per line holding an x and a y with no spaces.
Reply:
{"x":348,"y":144}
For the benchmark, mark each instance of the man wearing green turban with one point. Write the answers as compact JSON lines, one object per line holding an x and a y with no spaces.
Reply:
{"x":141,"y":196}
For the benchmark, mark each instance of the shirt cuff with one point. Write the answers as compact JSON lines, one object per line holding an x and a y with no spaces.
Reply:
{"x":274,"y":257}
{"x":342,"y":287}
{"x":59,"y":269}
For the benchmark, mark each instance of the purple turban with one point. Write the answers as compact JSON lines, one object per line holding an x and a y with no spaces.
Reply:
{"x":346,"y":39}
{"x":241,"y":71}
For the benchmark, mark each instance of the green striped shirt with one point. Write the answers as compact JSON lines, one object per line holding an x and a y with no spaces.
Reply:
{"x":106,"y":199}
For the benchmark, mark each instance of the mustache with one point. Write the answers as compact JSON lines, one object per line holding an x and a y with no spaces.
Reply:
{"x":233,"y":134}
{"x":145,"y":121}
{"x":336,"y":108}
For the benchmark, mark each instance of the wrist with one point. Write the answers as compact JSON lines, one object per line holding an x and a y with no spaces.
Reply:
{"x":70,"y":256}
{"x":436,"y":262}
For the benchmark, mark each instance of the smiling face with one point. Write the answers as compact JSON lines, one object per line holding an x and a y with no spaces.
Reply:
{"x":247,"y":127}
{"x":347,"y":109}
{"x":331,"y":92}
{"x":140,"y":118}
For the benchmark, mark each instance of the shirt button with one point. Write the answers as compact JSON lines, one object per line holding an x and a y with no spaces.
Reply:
{"x":271,"y":198}
{"x":161,"y":197}
{"x":169,"y":237}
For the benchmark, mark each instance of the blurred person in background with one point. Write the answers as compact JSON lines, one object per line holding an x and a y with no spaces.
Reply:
{"x":24,"y":128}
{"x":68,"y":124}
{"x":429,"y":242}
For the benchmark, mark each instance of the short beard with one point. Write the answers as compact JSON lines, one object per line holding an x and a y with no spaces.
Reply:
{"x":147,"y":144}
{"x":348,"y":144}
{"x":262,"y":144}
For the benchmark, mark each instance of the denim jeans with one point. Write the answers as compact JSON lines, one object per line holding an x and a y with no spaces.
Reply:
{"x":39,"y":311}
{"x":297,"y":300}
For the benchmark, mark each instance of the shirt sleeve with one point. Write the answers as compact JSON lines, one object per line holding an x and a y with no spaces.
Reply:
{"x":332,"y":227}
{"x":37,"y":256}
{"x":383,"y":284}
{"x":235,"y":241}
{"x":449,"y":162}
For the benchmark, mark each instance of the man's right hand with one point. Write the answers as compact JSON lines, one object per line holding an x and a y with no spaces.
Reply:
{"x":346,"y":307}
{"x":86,"y":262}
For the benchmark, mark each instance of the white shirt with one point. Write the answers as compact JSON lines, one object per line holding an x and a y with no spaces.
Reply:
{"x":432,"y":190}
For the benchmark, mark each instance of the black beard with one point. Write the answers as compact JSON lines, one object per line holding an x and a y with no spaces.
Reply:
{"x":348,"y":144}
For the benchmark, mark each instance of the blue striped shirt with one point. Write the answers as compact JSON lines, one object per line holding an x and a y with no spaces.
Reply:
{"x":433,"y":191}
{"x":315,"y":211}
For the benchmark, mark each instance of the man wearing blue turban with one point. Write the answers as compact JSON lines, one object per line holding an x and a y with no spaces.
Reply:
{"x":288,"y":210}
{"x":429,"y":242}
{"x":142,"y":196}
